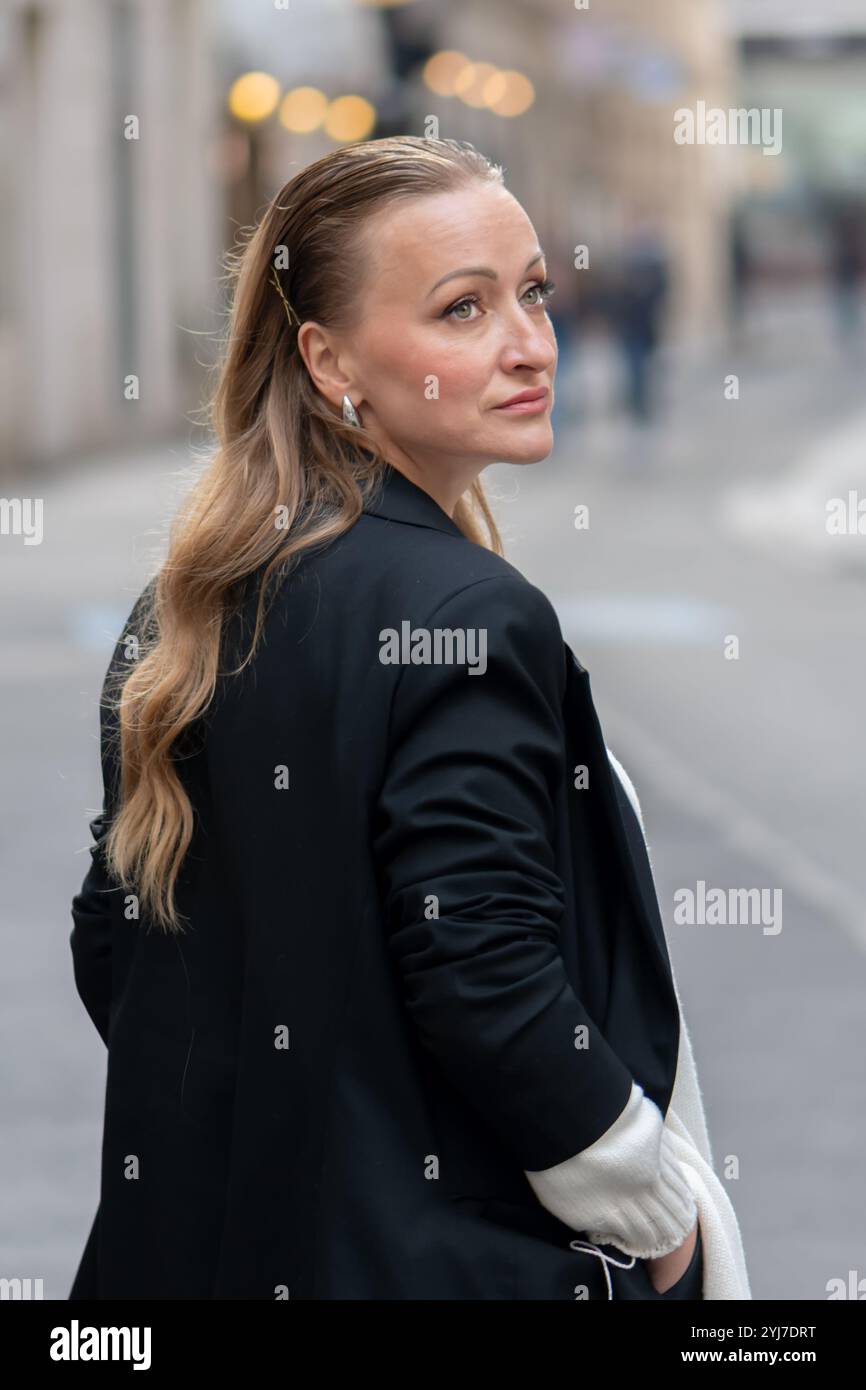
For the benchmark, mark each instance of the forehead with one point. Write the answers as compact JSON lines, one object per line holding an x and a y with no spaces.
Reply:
{"x":413,"y":243}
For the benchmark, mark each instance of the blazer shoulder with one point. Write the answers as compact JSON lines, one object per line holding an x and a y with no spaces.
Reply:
{"x":423,"y":563}
{"x":519,"y":625}
{"x":503,"y":589}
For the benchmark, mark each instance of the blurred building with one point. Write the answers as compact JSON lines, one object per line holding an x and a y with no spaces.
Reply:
{"x":778,"y":18}
{"x":281,"y":72}
{"x":111,"y":227}
{"x":810,"y":216}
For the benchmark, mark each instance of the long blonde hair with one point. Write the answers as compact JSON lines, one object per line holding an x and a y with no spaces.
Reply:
{"x":280,"y":449}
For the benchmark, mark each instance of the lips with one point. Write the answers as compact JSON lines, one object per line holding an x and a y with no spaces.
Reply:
{"x":539,"y":394}
{"x":527,"y":403}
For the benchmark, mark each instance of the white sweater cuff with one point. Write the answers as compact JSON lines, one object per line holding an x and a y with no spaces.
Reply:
{"x":627,"y":1189}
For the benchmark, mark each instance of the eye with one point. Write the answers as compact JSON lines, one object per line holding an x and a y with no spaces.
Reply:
{"x":544,"y":288}
{"x":468,"y":299}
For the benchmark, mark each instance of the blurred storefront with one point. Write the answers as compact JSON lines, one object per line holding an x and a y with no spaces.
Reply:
{"x":809,"y":222}
{"x":111,"y":228}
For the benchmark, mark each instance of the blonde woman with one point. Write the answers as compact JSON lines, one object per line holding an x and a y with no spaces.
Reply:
{"x":383,"y":984}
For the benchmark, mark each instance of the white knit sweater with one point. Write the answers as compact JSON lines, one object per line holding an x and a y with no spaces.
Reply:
{"x":640,"y":1185}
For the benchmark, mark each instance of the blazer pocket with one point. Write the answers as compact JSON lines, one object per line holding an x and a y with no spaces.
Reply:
{"x":537,"y":1246}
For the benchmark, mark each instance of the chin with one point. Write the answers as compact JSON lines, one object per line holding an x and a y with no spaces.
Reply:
{"x":535,"y":446}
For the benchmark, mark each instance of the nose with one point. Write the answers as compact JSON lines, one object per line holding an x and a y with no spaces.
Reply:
{"x":529,"y":342}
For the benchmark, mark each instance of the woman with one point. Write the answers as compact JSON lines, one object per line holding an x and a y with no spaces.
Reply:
{"x":367,"y":933}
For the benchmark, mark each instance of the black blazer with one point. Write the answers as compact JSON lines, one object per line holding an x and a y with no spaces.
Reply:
{"x":406,"y":909}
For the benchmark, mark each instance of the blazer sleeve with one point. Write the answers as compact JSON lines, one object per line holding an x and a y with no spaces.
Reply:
{"x":473,"y":904}
{"x":90,"y":939}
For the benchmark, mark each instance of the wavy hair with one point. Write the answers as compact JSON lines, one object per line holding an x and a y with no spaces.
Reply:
{"x":280,"y":451}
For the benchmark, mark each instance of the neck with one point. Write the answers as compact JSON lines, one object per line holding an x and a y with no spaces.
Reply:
{"x":445,"y":484}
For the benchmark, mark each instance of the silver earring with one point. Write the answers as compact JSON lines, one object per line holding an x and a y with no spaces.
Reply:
{"x":350,"y":414}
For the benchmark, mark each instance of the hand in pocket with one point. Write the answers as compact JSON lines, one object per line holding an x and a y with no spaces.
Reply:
{"x":689,"y":1282}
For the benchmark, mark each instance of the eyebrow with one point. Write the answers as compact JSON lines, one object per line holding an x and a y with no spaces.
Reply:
{"x":480,"y":270}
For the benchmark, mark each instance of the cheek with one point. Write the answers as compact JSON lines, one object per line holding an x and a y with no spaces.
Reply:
{"x":460,"y":379}
{"x":427,"y":371}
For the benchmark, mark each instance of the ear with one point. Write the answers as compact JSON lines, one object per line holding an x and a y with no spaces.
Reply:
{"x":328,"y":362}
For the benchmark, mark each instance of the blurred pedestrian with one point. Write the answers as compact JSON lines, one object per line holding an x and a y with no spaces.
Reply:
{"x":638,"y":301}
{"x":846,"y":268}
{"x":739,"y":271}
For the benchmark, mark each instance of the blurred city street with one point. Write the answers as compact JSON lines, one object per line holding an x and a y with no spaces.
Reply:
{"x":747,"y":773}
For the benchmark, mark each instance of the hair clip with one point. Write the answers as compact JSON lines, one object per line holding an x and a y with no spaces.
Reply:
{"x":294,"y":321}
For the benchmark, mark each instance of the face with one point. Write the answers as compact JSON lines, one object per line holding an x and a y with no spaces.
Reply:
{"x":452,"y":324}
